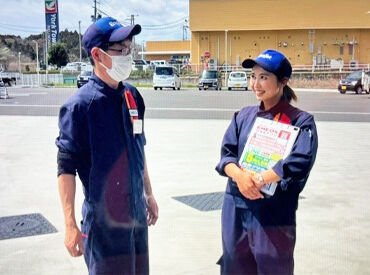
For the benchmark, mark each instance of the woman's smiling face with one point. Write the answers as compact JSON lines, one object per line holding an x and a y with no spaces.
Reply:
{"x":266,"y":87}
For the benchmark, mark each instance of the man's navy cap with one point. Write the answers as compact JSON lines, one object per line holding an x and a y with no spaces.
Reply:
{"x":105,"y":30}
{"x":272,"y":61}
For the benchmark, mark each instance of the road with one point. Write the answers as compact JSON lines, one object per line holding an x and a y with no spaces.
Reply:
{"x":193,"y":104}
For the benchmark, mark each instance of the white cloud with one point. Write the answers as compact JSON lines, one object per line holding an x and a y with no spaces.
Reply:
{"x":26,"y":17}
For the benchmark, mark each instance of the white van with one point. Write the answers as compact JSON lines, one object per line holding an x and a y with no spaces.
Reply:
{"x":155,"y":63}
{"x":166,"y":77}
{"x":139,"y":64}
{"x":76,"y":66}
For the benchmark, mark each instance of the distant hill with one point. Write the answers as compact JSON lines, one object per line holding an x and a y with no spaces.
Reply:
{"x":11,"y":45}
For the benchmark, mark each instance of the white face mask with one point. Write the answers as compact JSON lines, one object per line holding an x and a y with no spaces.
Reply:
{"x":121,"y":66}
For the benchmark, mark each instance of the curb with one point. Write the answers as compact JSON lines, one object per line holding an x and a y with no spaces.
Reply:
{"x":320,"y":90}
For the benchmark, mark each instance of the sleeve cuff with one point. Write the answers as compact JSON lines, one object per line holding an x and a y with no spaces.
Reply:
{"x":220,"y":168}
{"x":66,"y":163}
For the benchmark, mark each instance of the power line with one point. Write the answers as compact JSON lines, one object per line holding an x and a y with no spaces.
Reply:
{"x":103,"y":12}
{"x":163,"y":28}
{"x":20,"y":26}
{"x":166,"y":24}
{"x":105,"y":4}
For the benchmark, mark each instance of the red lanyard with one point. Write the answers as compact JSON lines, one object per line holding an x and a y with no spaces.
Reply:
{"x":283,"y":118}
{"x":131,"y":105}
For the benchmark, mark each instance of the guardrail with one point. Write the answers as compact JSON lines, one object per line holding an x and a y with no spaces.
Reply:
{"x":328,"y":67}
{"x":194,"y":70}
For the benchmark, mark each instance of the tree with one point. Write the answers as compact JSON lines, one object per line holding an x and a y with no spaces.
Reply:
{"x":57,"y":55}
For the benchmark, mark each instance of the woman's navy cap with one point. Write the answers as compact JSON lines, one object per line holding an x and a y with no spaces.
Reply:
{"x":105,"y":30}
{"x":272,"y":61}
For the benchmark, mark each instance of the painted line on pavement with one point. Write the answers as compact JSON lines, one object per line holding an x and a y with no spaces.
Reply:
{"x":189,"y":109}
{"x":23,"y":105}
{"x":338,"y":113}
{"x":233,"y":110}
{"x":28,"y":94}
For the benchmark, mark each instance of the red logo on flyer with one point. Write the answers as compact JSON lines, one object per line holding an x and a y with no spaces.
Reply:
{"x":284,"y":135}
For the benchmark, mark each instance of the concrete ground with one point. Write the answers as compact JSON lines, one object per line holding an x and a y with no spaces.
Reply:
{"x":333,"y":218}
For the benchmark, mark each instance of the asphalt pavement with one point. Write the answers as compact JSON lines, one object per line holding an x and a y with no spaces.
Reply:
{"x":189,"y":103}
{"x":333,"y":218}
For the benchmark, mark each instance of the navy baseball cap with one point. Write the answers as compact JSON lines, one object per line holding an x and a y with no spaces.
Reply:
{"x":272,"y":61}
{"x":105,"y":30}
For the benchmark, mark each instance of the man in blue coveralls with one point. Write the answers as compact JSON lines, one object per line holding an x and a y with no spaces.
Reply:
{"x":102,"y":139}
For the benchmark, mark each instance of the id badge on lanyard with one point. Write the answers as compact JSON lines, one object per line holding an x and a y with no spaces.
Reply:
{"x":137,"y":124}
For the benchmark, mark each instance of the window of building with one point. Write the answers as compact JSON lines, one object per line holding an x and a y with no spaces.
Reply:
{"x":341,"y":50}
{"x":350,"y":49}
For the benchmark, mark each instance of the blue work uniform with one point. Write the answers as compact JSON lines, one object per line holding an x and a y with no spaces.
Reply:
{"x":96,"y":139}
{"x":258,"y":236}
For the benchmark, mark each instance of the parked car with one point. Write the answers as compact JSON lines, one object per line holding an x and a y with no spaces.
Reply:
{"x":352,"y":82}
{"x":155,"y":63}
{"x":83,"y":78}
{"x":140,"y":64}
{"x":166,"y":77}
{"x":8,"y":78}
{"x":238,"y":80}
{"x":210,"y":79}
{"x":76,"y":66}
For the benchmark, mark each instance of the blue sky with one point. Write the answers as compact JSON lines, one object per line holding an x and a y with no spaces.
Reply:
{"x":161,"y":19}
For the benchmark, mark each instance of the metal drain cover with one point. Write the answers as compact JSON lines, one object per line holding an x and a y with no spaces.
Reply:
{"x":203,"y":202}
{"x":24,"y":226}
{"x":206,"y":201}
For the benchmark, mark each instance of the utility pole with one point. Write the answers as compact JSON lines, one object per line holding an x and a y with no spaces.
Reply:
{"x":142,"y":50}
{"x":37,"y":64}
{"x":46,"y":55}
{"x":94,"y":10}
{"x":19,"y":66}
{"x":133,"y":38}
{"x":19,"y":62}
{"x":95,"y":15}
{"x":226,"y":65}
{"x":184,"y":30}
{"x":79,"y":38}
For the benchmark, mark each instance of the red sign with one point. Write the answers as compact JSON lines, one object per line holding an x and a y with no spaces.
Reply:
{"x":51,"y":6}
{"x":207,"y":54}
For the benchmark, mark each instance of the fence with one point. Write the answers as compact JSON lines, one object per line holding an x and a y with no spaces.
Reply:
{"x":198,"y":68}
{"x":192,"y":71}
{"x":41,"y":79}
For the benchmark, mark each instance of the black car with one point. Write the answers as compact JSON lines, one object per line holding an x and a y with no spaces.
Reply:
{"x":351,"y":82}
{"x":210,"y":79}
{"x":83,"y":78}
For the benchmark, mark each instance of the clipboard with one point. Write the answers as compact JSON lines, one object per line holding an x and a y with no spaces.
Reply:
{"x":268,"y":142}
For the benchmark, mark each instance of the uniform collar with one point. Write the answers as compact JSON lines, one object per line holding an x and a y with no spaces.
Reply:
{"x":281,"y":107}
{"x":107,"y":90}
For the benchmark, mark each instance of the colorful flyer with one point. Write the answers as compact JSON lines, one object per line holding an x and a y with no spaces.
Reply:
{"x":268,"y":142}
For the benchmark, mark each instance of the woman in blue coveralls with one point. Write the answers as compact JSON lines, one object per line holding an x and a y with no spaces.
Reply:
{"x":258,"y":232}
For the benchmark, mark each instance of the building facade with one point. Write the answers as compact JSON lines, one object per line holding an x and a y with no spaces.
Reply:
{"x":306,"y":31}
{"x":167,"y":50}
